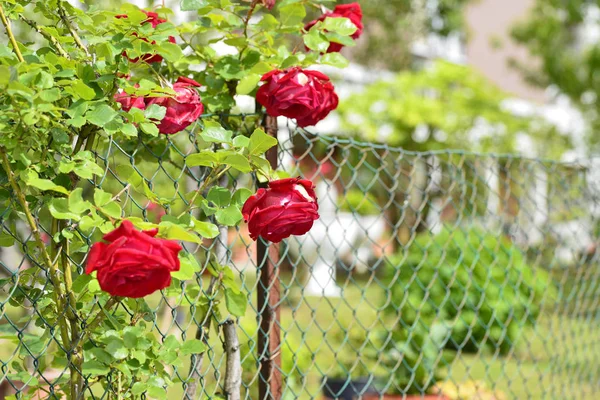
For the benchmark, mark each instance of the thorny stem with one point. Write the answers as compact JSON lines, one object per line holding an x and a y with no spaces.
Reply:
{"x":209,"y":179}
{"x":249,"y":15}
{"x":65,"y":20}
{"x":51,"y":268}
{"x":47,"y":36}
{"x":10,"y":35}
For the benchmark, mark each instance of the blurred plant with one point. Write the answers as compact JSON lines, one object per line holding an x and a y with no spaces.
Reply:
{"x":560,"y":36}
{"x":355,"y":201}
{"x":444,"y":106}
{"x":475,"y":284}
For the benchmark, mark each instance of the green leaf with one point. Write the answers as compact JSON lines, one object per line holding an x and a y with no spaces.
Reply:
{"x":177,"y":232}
{"x":116,"y":348}
{"x":130,"y":338}
{"x":129,"y":130}
{"x":241,"y":141}
{"x":138,"y":388}
{"x":236,"y":302}
{"x":112,"y":210}
{"x":241,"y":195}
{"x":219,"y":195}
{"x":82,"y":90}
{"x":316,"y":41}
{"x":260,"y":142}
{"x":335,"y":60}
{"x":50,"y":95}
{"x":247,"y":84}
{"x":6,"y":240}
{"x":192,"y":5}
{"x":154,"y":111}
{"x":340,"y":25}
{"x":189,"y":267}
{"x":216,"y":134}
{"x":205,"y":229}
{"x":101,"y":115}
{"x":101,"y":197}
{"x":157,"y":392}
{"x":205,"y":158}
{"x":170,"y":51}
{"x":31,"y":178}
{"x":76,"y":202}
{"x":238,"y":162}
{"x":59,"y":208}
{"x":292,"y":14}
{"x":81,"y":282}
{"x":193,"y":346}
{"x":149,"y":128}
{"x":229,"y":216}
{"x":95,"y":368}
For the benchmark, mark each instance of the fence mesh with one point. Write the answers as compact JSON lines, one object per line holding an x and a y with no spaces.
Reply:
{"x":475,"y":276}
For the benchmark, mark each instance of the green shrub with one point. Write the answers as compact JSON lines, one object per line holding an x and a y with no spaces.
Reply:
{"x":358,"y":202}
{"x":465,"y":290}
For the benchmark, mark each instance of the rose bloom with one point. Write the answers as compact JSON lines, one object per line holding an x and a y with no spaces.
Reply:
{"x":154,"y":20}
{"x":351,"y":11}
{"x":182,"y":110}
{"x":287,"y":207}
{"x":308,"y":96}
{"x":133,"y":263}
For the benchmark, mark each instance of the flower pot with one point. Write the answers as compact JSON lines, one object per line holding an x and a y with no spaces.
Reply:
{"x":346,"y":389}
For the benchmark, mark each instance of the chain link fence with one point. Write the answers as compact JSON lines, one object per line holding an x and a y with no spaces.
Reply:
{"x":447,"y":273}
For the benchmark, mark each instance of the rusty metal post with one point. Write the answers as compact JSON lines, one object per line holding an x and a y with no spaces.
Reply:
{"x":268,"y":295}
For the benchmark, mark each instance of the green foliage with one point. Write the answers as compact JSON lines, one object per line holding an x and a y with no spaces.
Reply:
{"x":444,"y":106}
{"x":555,"y":35}
{"x":460,"y":289}
{"x":355,"y":201}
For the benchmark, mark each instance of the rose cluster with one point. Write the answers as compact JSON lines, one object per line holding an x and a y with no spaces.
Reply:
{"x":134,"y":263}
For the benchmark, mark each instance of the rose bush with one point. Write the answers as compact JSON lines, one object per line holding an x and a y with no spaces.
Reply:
{"x":134,"y":263}
{"x":82,"y":155}
{"x":305,"y":95}
{"x":287,"y":207}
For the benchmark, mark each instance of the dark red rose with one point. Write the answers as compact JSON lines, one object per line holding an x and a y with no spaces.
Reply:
{"x":288,"y":207}
{"x":133,"y":263}
{"x":308,"y":96}
{"x":268,"y":3}
{"x":154,"y":20}
{"x":128,"y":101}
{"x":182,"y":110}
{"x":351,"y":11}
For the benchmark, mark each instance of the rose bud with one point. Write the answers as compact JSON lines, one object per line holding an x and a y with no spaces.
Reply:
{"x":351,"y":11}
{"x":133,"y":263}
{"x":308,"y":96}
{"x":287,"y":207}
{"x":154,"y":20}
{"x":182,"y":110}
{"x":268,"y":3}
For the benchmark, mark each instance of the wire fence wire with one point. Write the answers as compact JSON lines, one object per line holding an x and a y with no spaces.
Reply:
{"x":447,"y":273}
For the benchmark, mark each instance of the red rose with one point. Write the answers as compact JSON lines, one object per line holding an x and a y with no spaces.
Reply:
{"x":288,"y":207}
{"x":268,"y":3}
{"x":182,"y":110}
{"x":134,"y":263}
{"x":351,"y":11}
{"x":154,"y":20}
{"x":308,"y":96}
{"x":128,"y":101}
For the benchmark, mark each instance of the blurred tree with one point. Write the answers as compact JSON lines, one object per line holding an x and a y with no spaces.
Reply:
{"x":563,"y":36}
{"x":445,"y":106}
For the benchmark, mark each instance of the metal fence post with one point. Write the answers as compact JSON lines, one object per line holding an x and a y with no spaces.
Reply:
{"x":268,"y":295}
